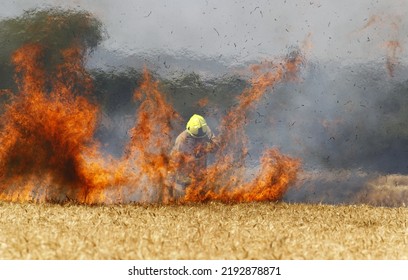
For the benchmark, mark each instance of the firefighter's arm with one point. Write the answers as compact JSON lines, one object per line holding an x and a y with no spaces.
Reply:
{"x":213,"y":145}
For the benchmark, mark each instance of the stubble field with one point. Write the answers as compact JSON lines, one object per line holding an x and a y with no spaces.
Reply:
{"x":202,"y":231}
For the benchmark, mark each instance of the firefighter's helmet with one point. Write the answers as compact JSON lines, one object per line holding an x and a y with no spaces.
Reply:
{"x":197,"y":126}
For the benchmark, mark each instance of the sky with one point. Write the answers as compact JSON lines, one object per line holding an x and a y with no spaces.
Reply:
{"x":346,"y":30}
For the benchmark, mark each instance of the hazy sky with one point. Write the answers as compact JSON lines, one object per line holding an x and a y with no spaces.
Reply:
{"x":339,"y":30}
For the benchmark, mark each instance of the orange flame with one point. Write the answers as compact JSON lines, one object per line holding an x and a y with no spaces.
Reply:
{"x":151,"y":140}
{"x":48,"y":153}
{"x":226,"y":179}
{"x":46,"y":137}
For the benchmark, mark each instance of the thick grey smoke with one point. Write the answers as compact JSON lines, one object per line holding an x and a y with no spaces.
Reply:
{"x":340,"y":116}
{"x":346,"y":123}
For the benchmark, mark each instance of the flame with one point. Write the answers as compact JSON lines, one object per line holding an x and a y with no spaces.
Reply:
{"x":48,"y":134}
{"x":226,"y":179}
{"x":151,"y":140}
{"x":48,"y":151}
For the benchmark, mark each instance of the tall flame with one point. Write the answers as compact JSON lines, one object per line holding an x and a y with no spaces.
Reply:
{"x":151,"y":140}
{"x":226,"y":179}
{"x":48,"y":151}
{"x":46,"y":136}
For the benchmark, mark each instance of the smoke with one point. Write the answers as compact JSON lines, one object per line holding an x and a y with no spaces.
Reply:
{"x":48,"y":150}
{"x":339,"y":117}
{"x":346,"y":124}
{"x":343,"y":116}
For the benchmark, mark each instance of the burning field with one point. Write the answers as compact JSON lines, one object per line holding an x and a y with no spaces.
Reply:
{"x":285,"y":129}
{"x":48,"y":151}
{"x":310,"y":160}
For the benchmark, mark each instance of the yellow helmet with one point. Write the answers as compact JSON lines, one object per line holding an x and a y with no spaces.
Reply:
{"x":197,"y":126}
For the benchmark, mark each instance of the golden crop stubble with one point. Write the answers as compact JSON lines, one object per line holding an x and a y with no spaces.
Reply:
{"x":202,"y":231}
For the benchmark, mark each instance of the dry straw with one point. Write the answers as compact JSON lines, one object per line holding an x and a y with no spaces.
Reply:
{"x":202,"y":231}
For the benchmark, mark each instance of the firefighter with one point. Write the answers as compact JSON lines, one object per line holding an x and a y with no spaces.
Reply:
{"x":190,"y":153}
